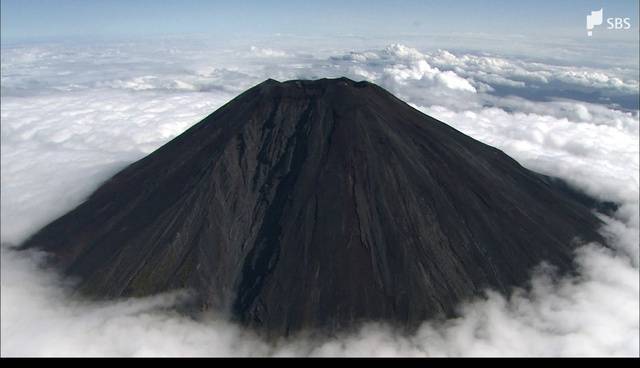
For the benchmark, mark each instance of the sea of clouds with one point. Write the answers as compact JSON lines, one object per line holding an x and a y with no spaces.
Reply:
{"x":72,"y":114}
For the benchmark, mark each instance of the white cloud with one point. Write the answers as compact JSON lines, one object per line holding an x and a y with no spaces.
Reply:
{"x":72,"y":116}
{"x":601,"y":158}
{"x":519,"y":73}
{"x":267,"y":52}
{"x":403,"y":64}
{"x":53,"y":143}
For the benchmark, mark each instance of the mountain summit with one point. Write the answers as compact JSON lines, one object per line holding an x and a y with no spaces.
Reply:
{"x":319,"y":205}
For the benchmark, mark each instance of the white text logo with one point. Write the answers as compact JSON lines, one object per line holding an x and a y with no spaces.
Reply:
{"x":595,"y":19}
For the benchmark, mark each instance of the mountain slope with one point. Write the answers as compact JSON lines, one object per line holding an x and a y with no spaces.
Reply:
{"x":318,"y":205}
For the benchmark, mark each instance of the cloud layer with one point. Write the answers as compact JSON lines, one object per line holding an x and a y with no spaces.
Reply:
{"x":72,"y":115}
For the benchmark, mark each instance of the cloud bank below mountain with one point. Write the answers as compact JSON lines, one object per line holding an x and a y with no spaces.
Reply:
{"x":72,"y":115}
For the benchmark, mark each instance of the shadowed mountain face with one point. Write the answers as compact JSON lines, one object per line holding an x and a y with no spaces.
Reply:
{"x":319,"y":205}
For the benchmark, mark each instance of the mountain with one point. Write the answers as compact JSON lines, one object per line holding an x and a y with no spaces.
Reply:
{"x":317,"y":205}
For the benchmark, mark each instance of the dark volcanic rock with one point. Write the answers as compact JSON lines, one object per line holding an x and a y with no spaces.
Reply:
{"x":319,"y":204}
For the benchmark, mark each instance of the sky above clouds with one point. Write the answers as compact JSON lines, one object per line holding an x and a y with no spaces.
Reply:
{"x":66,"y":18}
{"x":89,"y":87}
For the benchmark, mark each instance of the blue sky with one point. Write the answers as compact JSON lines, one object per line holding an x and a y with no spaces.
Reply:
{"x":46,"y":19}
